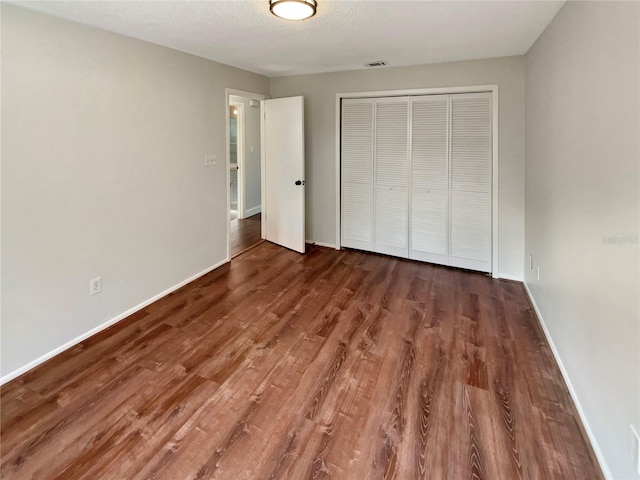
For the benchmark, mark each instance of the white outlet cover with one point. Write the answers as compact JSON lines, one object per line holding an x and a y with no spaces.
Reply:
{"x":211,"y":159}
{"x":95,"y":285}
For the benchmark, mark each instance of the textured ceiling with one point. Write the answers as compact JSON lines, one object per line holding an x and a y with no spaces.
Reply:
{"x":344,"y":35}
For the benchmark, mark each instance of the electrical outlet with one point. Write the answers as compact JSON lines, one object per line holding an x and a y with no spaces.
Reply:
{"x":211,"y":159}
{"x":530,"y":262}
{"x":95,"y":286}
{"x":538,"y":272}
{"x":635,"y":448}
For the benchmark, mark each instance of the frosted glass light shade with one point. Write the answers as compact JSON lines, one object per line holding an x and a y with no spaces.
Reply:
{"x":293,"y":9}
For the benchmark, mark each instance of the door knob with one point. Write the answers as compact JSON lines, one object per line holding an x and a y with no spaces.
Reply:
{"x":299,"y":182}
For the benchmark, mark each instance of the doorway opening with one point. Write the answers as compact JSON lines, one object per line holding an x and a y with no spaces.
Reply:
{"x":245,"y":175}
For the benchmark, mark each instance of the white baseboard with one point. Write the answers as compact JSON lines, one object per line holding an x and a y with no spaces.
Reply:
{"x":249,"y":212}
{"x":322,"y":244}
{"x":594,"y":443}
{"x":507,"y":276}
{"x":99,"y":328}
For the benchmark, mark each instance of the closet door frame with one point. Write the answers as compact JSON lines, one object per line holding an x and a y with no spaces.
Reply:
{"x":493,"y":89}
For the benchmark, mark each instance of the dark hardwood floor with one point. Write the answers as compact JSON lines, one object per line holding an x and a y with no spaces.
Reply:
{"x":245,"y":233}
{"x":340,"y":365}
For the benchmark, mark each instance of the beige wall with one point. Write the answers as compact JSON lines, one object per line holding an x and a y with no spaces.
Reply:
{"x":103,"y":145}
{"x":582,"y":209}
{"x":320,"y":104}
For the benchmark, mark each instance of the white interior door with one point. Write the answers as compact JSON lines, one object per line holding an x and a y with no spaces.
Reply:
{"x":283,"y":212}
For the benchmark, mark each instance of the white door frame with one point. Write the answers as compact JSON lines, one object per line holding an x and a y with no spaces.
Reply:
{"x":239,"y":93}
{"x":430,"y":91}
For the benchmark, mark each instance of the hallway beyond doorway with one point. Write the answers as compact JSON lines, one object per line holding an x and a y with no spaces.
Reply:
{"x":245,"y":232}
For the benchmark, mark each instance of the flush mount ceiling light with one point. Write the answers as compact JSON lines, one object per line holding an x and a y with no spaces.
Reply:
{"x":293,"y":9}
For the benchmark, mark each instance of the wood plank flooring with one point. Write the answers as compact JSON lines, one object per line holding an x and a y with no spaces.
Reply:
{"x":245,"y":233}
{"x":340,"y":365}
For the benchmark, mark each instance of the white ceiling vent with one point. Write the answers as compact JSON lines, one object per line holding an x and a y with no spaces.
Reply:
{"x":377,"y":63}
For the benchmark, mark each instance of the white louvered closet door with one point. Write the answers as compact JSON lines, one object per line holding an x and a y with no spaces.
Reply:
{"x":391,"y":153}
{"x":417,"y":177}
{"x":470,"y":181}
{"x":429,"y":215}
{"x":357,"y":173}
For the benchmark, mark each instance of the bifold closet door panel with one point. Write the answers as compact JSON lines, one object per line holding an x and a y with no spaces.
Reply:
{"x":391,"y":176}
{"x":471,"y":181}
{"x":429,"y":215}
{"x":357,"y":173}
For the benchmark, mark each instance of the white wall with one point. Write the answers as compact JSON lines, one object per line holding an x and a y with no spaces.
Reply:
{"x":103,"y":174}
{"x":320,"y":94}
{"x":582,"y":179}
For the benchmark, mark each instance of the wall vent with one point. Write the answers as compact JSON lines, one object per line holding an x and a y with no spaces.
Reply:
{"x":377,"y":63}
